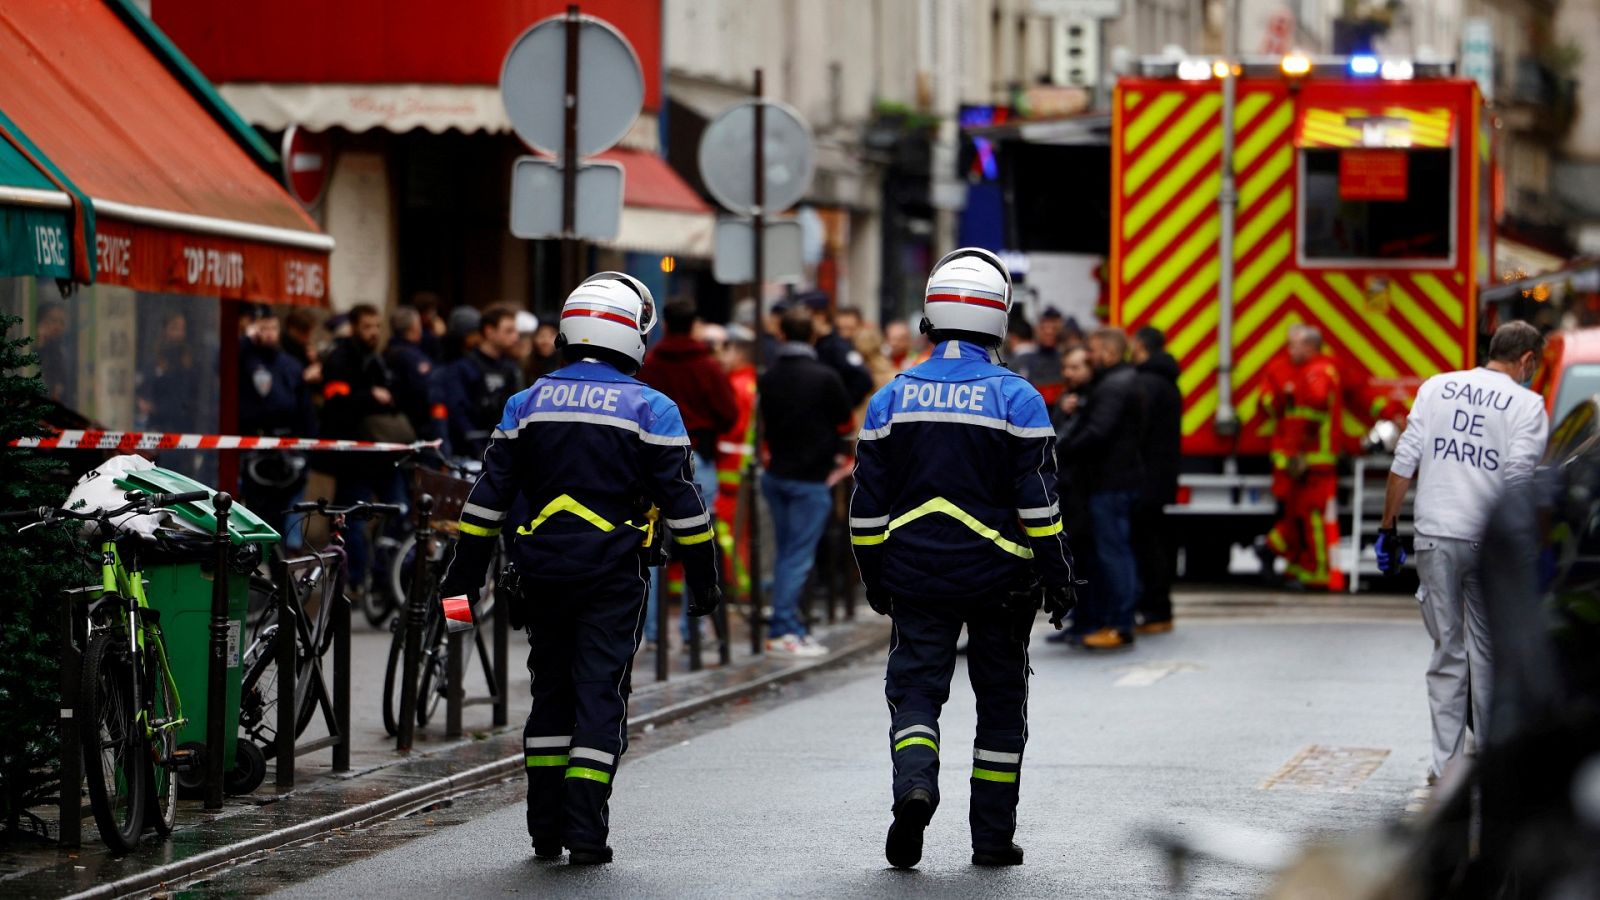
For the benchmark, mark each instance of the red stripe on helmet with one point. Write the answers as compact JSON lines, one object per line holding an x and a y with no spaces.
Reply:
{"x":600,"y":314}
{"x":967,"y":298}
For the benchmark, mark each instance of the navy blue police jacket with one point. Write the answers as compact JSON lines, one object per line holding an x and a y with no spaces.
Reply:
{"x":955,"y":482}
{"x":585,"y":467}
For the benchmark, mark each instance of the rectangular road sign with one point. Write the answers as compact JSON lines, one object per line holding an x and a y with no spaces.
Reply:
{"x":734,"y":259}
{"x":536,"y":200}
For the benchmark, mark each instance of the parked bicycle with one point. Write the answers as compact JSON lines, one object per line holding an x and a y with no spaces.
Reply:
{"x":129,"y":707}
{"x":319,"y":582}
{"x":432,"y":681}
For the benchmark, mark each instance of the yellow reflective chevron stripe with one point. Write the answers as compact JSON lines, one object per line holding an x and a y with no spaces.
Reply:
{"x":941,"y":505}
{"x":589,"y":774}
{"x":699,"y":537}
{"x":867,"y":540}
{"x":992,"y":775}
{"x":478,"y":530}
{"x":918,"y":742}
{"x":564,"y":503}
{"x":535,"y":762}
{"x":1043,"y":530}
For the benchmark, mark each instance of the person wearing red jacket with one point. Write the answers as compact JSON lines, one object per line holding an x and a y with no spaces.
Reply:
{"x":688,"y":372}
{"x":1304,"y":463}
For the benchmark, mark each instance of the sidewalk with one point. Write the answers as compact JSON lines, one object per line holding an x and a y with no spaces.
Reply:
{"x":382,"y":782}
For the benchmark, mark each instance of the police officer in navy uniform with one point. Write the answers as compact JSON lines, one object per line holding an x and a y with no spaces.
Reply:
{"x":275,"y":401}
{"x":587,"y":471}
{"x":956,"y":521}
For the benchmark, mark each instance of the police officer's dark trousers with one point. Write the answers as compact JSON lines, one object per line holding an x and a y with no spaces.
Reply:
{"x":922,"y":659}
{"x":583,"y":636}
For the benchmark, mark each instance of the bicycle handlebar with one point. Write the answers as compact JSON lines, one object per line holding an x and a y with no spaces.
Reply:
{"x":321,"y":508}
{"x":169,"y":499}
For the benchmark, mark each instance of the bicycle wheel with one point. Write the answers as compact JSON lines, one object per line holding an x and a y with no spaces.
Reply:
{"x":404,"y":562}
{"x":114,"y":754}
{"x":258,"y":690}
{"x":160,"y":776}
{"x":431,"y":680}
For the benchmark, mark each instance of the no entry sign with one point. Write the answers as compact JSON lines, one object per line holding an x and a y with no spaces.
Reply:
{"x":307,"y":158}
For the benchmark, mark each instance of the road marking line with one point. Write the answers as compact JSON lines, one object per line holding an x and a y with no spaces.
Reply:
{"x":1146,"y":674}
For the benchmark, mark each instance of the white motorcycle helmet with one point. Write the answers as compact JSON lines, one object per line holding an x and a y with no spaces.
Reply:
{"x":608,"y":317}
{"x":969,"y":292}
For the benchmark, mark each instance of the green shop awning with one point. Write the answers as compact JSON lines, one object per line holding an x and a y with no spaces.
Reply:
{"x":37,"y":236}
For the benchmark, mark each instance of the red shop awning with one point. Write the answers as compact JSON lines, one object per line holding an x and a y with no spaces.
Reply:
{"x":180,"y":206}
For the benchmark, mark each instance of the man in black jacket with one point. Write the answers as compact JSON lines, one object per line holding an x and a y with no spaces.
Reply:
{"x":804,"y":407}
{"x":834,"y":350}
{"x":1154,"y":541}
{"x":1108,"y":444}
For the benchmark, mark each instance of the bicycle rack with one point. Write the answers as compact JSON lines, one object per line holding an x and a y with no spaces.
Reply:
{"x":292,"y":629}
{"x":74,"y":632}
{"x":494,"y":672}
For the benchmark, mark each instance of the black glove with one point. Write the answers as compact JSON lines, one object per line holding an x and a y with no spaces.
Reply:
{"x":703,"y":601}
{"x":1059,"y":601}
{"x":878,"y":598}
{"x":1024,"y":598}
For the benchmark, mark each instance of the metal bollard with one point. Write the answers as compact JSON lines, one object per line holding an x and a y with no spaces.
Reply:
{"x":663,"y":638}
{"x":217,"y":674}
{"x":416,"y":618}
{"x":753,"y":523}
{"x":341,"y":679}
{"x":455,"y":691}
{"x":502,"y":658}
{"x":71,"y":827}
{"x":286,"y":652}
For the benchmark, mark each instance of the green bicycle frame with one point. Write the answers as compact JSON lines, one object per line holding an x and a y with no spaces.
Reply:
{"x":117,"y":579}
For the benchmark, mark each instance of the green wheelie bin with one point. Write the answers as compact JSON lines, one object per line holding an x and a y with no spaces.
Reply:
{"x":179,"y":585}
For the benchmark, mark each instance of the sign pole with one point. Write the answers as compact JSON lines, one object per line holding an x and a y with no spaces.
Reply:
{"x":570,"y":246}
{"x":759,"y":270}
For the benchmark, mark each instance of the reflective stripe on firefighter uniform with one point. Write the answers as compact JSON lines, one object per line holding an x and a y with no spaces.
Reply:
{"x":583,"y":469}
{"x":955,"y":501}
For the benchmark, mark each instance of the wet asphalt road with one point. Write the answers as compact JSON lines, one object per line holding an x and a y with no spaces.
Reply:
{"x":792,"y":799}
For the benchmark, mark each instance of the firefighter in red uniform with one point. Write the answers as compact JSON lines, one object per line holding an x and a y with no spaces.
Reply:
{"x":734,"y":449}
{"x":1304,"y":462}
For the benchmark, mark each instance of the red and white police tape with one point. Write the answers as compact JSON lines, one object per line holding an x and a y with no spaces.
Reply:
{"x":457,"y":613}
{"x":166,"y":440}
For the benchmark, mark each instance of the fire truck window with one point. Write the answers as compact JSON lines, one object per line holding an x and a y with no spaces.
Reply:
{"x":1578,"y":383}
{"x":1378,"y":205}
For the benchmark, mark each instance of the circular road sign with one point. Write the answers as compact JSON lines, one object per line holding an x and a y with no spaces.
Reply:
{"x":533,"y":85}
{"x":727,"y":157}
{"x":307,"y":160}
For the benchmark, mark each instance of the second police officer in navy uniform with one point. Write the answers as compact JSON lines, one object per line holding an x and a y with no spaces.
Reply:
{"x":956,"y":521}
{"x":585,"y":470}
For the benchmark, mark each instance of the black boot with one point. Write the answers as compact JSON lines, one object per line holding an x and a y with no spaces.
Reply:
{"x":590,"y":857}
{"x":911,"y":814}
{"x":547,"y":850}
{"x":998,"y":856}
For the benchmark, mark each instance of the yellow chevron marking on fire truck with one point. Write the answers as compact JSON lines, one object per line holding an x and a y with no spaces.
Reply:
{"x":1275,"y":252}
{"x":1200,"y":413}
{"x":1277,"y":121}
{"x":1172,"y":138}
{"x":1355,"y":301}
{"x":1204,"y":154}
{"x":1131,"y":100}
{"x":1447,"y":303}
{"x":1200,"y":287}
{"x":1331,"y":319}
{"x":1273,"y":215}
{"x":1422,"y":321}
{"x":1160,"y":280}
{"x":1265,"y":177}
{"x":1153,"y":114}
{"x":1249,"y":321}
{"x":1201,"y":328}
{"x":1182,"y":217}
{"x":1249,"y":106}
